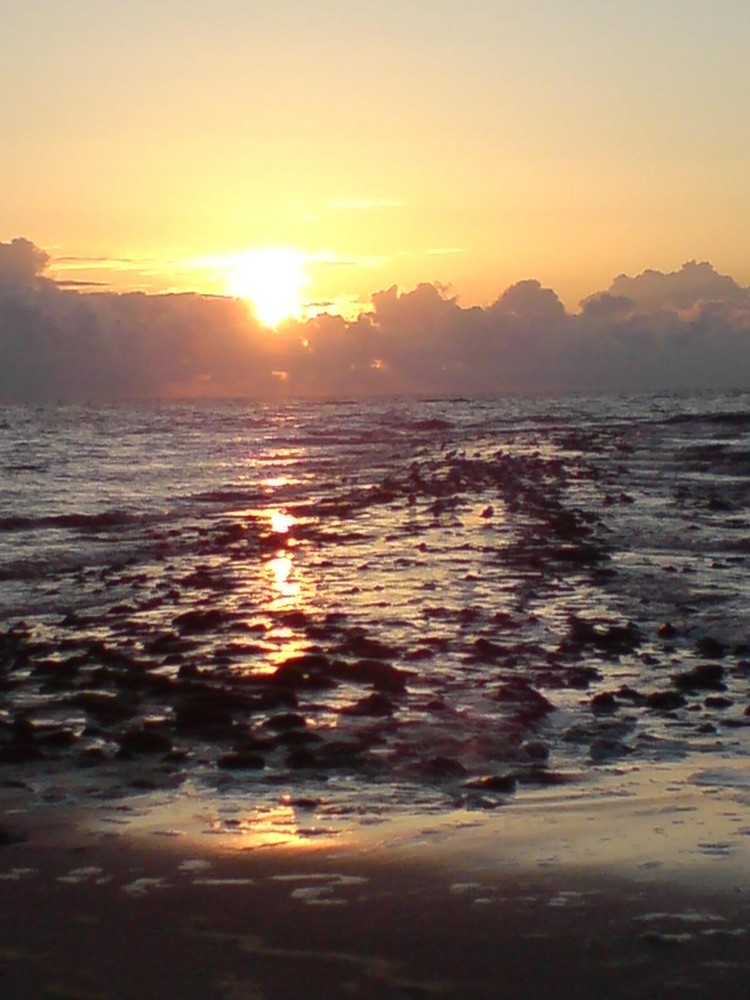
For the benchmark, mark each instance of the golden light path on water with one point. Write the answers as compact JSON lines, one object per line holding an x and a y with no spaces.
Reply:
{"x":284,"y":825}
{"x":285,"y":592}
{"x":281,"y":521}
{"x":280,"y":570}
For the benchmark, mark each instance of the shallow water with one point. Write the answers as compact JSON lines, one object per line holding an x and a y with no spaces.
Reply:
{"x":372,"y":606}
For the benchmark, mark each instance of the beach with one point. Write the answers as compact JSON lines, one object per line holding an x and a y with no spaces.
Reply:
{"x":374,"y":500}
{"x":642,"y":891}
{"x":404,"y":699}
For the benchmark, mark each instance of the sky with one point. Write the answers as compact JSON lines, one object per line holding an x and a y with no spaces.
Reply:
{"x":475,"y":144}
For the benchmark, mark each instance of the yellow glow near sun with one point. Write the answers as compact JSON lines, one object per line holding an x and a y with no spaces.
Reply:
{"x":272,"y":279}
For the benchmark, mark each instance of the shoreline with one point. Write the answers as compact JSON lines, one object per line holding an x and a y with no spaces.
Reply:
{"x":642,"y":890}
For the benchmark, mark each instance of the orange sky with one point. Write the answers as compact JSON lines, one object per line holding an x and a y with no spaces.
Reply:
{"x":472,"y":143}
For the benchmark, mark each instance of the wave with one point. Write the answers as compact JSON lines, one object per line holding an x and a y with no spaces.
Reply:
{"x":106,"y":520}
{"x":229,"y":496}
{"x":732,"y":418}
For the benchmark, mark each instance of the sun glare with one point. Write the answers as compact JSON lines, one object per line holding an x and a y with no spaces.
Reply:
{"x":272,"y":280}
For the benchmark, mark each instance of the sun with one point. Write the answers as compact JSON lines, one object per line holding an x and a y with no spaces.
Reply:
{"x":272,"y":279}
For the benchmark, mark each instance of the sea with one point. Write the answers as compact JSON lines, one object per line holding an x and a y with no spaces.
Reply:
{"x":369,"y":606}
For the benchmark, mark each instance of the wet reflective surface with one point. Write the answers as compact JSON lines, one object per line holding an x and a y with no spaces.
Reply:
{"x":372,"y":606}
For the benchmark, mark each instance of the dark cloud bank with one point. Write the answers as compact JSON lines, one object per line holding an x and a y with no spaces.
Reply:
{"x":685,"y":330}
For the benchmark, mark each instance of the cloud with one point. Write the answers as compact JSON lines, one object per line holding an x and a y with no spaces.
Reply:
{"x":77,"y":261}
{"x":73,"y":283}
{"x":687,"y":329}
{"x":528,"y":301}
{"x":693,"y":283}
{"x":604,"y":306}
{"x":21,"y":261}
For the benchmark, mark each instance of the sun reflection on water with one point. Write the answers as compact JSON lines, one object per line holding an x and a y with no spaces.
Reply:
{"x":289,"y":643}
{"x":281,"y":569}
{"x":281,"y":522}
{"x":283,"y":825}
{"x":289,"y":590}
{"x":276,"y":482}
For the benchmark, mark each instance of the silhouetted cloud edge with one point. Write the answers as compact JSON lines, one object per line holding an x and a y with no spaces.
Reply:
{"x":687,"y":329}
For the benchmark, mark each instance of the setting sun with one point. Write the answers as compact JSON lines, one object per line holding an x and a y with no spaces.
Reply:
{"x":272,"y":280}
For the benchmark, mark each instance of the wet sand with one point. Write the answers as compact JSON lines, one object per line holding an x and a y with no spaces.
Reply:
{"x":642,"y":889}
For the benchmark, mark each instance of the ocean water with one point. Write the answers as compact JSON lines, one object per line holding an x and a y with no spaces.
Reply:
{"x":367,"y":605}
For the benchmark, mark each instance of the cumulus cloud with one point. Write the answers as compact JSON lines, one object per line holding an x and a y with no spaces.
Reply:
{"x":688,"y":329}
{"x":21,"y":261}
{"x":527,"y":301}
{"x":693,"y":283}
